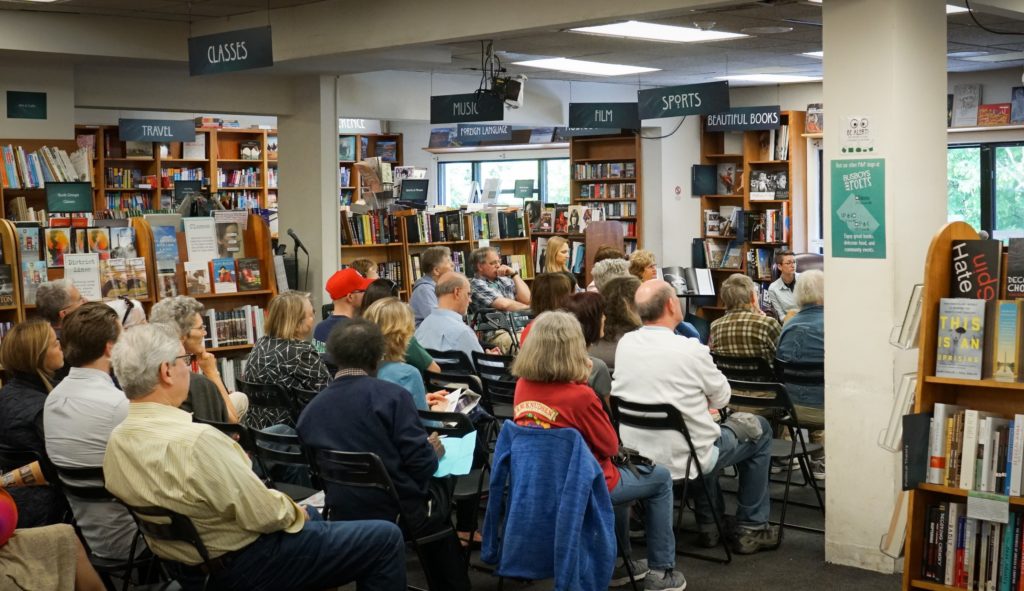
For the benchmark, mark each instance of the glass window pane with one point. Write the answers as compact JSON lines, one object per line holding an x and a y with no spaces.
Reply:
{"x":557,"y":173}
{"x":457,"y":181}
{"x":1009,"y":186}
{"x":963,"y":167}
{"x":508,"y":172}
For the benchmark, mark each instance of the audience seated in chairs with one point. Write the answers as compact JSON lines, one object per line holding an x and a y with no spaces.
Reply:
{"x":30,"y":354}
{"x":444,"y":329}
{"x":257,"y":538}
{"x":394,"y":319}
{"x":588,"y":308}
{"x":781,"y":292}
{"x":656,"y":366}
{"x":552,"y":368}
{"x":284,"y":356}
{"x":496,"y":286}
{"x":744,"y":330}
{"x":803,"y":341}
{"x":79,"y":415}
{"x":549,"y":291}
{"x":361,"y":413}
{"x":346,"y":288}
{"x":208,"y":398}
{"x":415,"y":354}
{"x":620,"y":317}
{"x":609,"y":270}
{"x":434,"y":262}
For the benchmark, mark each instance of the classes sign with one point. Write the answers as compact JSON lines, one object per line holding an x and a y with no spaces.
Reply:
{"x":230,"y":51}
{"x":604,"y":115}
{"x":677,"y":101}
{"x":466,"y":108}
{"x":156,"y":130}
{"x":745,"y":119}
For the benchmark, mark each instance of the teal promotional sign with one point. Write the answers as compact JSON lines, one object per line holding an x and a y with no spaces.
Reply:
{"x":524,"y":189}
{"x":485,"y":133}
{"x":858,"y":208}
{"x":26,"y":105}
{"x":230,"y":51}
{"x":745,"y":119}
{"x":676,"y":101}
{"x":604,"y":115}
{"x":156,"y":130}
{"x":466,"y":108}
{"x":68,"y":197}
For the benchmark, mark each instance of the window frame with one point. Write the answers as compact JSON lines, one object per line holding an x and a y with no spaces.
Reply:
{"x":987,"y":190}
{"x":540,"y":190}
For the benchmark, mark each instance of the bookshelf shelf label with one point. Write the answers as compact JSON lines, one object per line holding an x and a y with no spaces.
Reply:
{"x":745,"y":119}
{"x":858,"y":208}
{"x":677,"y":101}
{"x":156,"y":130}
{"x":604,"y":115}
{"x":230,"y":51}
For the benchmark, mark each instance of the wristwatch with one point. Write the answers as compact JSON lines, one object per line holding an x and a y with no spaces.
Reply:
{"x":513,"y":275}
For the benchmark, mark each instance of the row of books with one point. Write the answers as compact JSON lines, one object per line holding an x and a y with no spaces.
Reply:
{"x":374,"y":227}
{"x":723,"y":255}
{"x":458,"y":260}
{"x":968,"y":553}
{"x":604,"y":170}
{"x":272,"y":177}
{"x":231,"y":368}
{"x":519,"y":263}
{"x":130,"y":201}
{"x":344,"y":177}
{"x":760,"y":263}
{"x":169,"y":175}
{"x":979,"y":339}
{"x":628,"y":229}
{"x":616,"y":209}
{"x":577,"y":256}
{"x":56,"y":242}
{"x":435,"y":226}
{"x":562,"y":219}
{"x":975,"y":450}
{"x":770,"y":225}
{"x":390,"y":270}
{"x":242,"y":177}
{"x":32,"y":170}
{"x":224,"y":275}
{"x":117,"y":177}
{"x":608,"y":191}
{"x":19,"y":210}
{"x":496,"y":223}
{"x":240,"y":199}
{"x":965,"y":109}
{"x":241,"y":326}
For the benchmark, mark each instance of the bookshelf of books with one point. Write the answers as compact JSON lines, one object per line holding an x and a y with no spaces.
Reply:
{"x":759,"y":203}
{"x":24,"y":166}
{"x":11,"y":310}
{"x":947,"y":546}
{"x":355,"y":147}
{"x":607,"y":173}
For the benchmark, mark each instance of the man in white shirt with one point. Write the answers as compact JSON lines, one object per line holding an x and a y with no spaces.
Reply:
{"x":653,"y":365}
{"x":78,"y":417}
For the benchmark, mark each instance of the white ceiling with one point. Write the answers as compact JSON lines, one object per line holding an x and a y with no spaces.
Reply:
{"x":680,"y":63}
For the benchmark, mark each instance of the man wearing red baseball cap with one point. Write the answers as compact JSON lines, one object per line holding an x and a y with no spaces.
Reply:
{"x":346,"y":289}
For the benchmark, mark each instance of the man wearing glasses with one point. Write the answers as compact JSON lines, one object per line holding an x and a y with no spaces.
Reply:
{"x":55,"y":300}
{"x":498,"y":287}
{"x":346,"y":288}
{"x":780,"y":292}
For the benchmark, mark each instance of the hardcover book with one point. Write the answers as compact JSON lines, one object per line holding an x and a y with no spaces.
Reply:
{"x":139,"y":149}
{"x":347,"y":148}
{"x":1004,"y":363}
{"x":726,"y":181}
{"x":1015,"y":269}
{"x":966,"y":99}
{"x":703,"y":180}
{"x":137,"y":284}
{"x":58,"y":244}
{"x":387,"y":150}
{"x":975,"y":272}
{"x":6,"y":286}
{"x":123,"y":242}
{"x":994,"y":114}
{"x":561,"y":219}
{"x":167,"y":283}
{"x":197,"y":278}
{"x":223,"y":272}
{"x":33,"y":274}
{"x":961,"y":333}
{"x":83,"y":269}
{"x":815,"y":121}
{"x":99,"y":242}
{"x":1017,"y":105}
{"x":577,"y":219}
{"x":533,"y":207}
{"x":80,"y":240}
{"x":165,"y":243}
{"x":249,"y":150}
{"x":113,"y":274}
{"x":249,"y":275}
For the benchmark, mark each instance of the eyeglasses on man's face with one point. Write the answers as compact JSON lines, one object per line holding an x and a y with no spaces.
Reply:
{"x":188,"y":357}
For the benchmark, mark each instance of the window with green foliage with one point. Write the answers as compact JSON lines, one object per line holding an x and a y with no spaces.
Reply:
{"x":1009,"y":191}
{"x":550,"y":178}
{"x":986,"y":187}
{"x":963,"y":177}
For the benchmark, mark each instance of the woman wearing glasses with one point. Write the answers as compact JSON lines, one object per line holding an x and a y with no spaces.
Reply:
{"x":208,"y":399}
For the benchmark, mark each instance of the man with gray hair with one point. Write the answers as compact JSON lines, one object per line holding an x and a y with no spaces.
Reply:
{"x":257,"y":538}
{"x":653,"y":365}
{"x":55,"y":300}
{"x":434,"y":262}
{"x":444,"y":329}
{"x":604,"y":271}
{"x":744,"y":330}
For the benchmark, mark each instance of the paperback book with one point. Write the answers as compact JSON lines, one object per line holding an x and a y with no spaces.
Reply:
{"x":1017,"y":105}
{"x":197,"y":278}
{"x":223,"y":272}
{"x":961,"y":337}
{"x":727,"y":179}
{"x":165,"y":244}
{"x":123,"y":242}
{"x":28,"y":243}
{"x":58,"y":243}
{"x":975,"y":272}
{"x":1004,"y":364}
{"x":114,"y":277}
{"x":167,"y":282}
{"x":249,"y":278}
{"x":6,"y":286}
{"x":966,"y":100}
{"x":99,"y":242}
{"x":1015,"y":269}
{"x":137,"y":284}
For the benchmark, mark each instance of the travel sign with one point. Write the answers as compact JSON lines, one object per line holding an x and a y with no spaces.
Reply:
{"x":466,"y":108}
{"x":677,"y":101}
{"x":604,"y":115}
{"x":230,"y":51}
{"x":745,"y":119}
{"x":156,"y":130}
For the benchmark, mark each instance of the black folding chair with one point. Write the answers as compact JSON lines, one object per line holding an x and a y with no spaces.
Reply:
{"x":453,"y":362}
{"x":157,"y":523}
{"x":281,"y":449}
{"x":365,"y":470}
{"x":751,"y":369}
{"x":801,"y":374}
{"x":497,"y":367}
{"x":269,"y":404}
{"x":499,"y":396}
{"x":665,"y":417}
{"x":242,"y":435}
{"x":450,"y":380}
{"x":326,"y":310}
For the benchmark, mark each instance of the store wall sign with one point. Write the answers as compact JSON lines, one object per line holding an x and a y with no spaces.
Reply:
{"x":230,"y":51}
{"x":745,"y":119}
{"x":677,"y":101}
{"x":604,"y":115}
{"x":26,"y":105}
{"x":69,"y":197}
{"x":466,"y":108}
{"x":566,"y":132}
{"x":485,"y":133}
{"x":156,"y":130}
{"x":348,"y":125}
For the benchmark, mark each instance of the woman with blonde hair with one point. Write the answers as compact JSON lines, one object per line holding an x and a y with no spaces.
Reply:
{"x":30,"y":354}
{"x":395,"y":320}
{"x":284,"y":354}
{"x":642,"y":265}
{"x":552,"y":392}
{"x":556,"y":257}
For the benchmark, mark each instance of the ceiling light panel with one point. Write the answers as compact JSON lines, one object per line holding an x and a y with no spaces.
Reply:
{"x":656,"y":32}
{"x":769,"y":78}
{"x":562,"y":64}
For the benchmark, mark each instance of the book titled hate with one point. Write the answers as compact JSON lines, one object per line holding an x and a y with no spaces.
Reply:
{"x":961,"y":338}
{"x":976,"y":266}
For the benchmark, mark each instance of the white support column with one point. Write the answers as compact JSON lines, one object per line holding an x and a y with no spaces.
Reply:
{"x":886,"y":61}
{"x":308,"y":194}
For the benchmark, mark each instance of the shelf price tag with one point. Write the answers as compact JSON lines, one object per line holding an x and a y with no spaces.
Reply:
{"x":988,"y":506}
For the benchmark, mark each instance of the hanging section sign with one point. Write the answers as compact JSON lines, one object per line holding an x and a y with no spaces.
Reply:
{"x":677,"y":101}
{"x":230,"y":51}
{"x":156,"y":130}
{"x":604,"y":115}
{"x":745,"y":119}
{"x":466,"y":108}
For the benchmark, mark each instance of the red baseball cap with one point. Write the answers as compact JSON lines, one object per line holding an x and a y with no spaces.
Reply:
{"x":345,"y":282}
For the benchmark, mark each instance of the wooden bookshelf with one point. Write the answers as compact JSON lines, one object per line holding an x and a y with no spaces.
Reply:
{"x":355,"y":147}
{"x":15,"y":312}
{"x":591,"y":152}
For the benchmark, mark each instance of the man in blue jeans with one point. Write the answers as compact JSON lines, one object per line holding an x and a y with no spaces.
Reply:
{"x":256,"y":538}
{"x":655,"y":366}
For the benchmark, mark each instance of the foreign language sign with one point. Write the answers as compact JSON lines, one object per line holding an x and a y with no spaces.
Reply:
{"x":858,"y":208}
{"x":156,"y":130}
{"x":68,"y":197}
{"x":230,"y":51}
{"x":677,"y":101}
{"x":466,"y":108}
{"x":604,"y":115}
{"x":26,"y":105}
{"x":745,"y":119}
{"x":485,"y":133}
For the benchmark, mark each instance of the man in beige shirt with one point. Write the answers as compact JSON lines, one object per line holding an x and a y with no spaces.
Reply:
{"x":258,"y":538}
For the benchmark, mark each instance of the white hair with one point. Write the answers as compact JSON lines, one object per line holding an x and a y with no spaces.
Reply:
{"x":606,"y":269}
{"x":810,"y":288}
{"x":178,"y":311}
{"x":136,"y":315}
{"x":138,"y":354}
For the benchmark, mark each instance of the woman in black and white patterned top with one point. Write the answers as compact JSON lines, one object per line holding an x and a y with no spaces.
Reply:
{"x":285,"y":356}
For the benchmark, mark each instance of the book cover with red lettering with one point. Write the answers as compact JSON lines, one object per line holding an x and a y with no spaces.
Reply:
{"x":976,"y":268}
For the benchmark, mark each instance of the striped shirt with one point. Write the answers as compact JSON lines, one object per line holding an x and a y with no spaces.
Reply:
{"x":159,"y":457}
{"x":742,"y":333}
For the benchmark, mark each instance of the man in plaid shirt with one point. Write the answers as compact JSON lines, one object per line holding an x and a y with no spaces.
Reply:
{"x":744,"y":331}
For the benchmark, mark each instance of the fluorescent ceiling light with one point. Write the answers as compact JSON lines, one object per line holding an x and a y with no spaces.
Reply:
{"x":563,"y":64}
{"x":950,"y":8}
{"x":817,"y":54}
{"x":769,"y":78}
{"x":966,"y":54}
{"x":656,"y":32}
{"x":998,"y":57}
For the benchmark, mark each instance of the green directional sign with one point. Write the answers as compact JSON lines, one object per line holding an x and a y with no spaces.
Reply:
{"x":466,"y":108}
{"x":230,"y":51}
{"x":26,"y":105}
{"x":858,"y":208}
{"x":524,"y":189}
{"x":677,"y":101}
{"x":604,"y":115}
{"x":68,"y":197}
